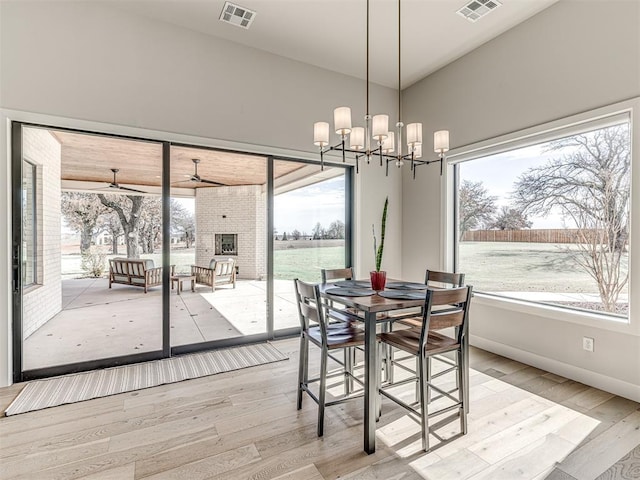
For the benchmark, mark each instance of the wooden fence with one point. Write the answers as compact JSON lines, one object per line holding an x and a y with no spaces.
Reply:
{"x":551,"y":235}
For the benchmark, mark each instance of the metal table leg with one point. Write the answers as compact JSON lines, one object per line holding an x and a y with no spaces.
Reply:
{"x":370,"y":394}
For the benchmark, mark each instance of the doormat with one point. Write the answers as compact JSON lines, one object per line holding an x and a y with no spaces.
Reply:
{"x":78,"y":387}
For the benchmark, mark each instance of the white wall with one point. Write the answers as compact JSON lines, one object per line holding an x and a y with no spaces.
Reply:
{"x":44,"y":300}
{"x":239,"y":210}
{"x":88,"y":66}
{"x":570,"y":58}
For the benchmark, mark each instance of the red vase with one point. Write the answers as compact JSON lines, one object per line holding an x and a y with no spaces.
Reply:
{"x":378,"y":280}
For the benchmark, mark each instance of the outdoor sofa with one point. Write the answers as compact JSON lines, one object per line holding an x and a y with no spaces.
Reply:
{"x":135,"y":272}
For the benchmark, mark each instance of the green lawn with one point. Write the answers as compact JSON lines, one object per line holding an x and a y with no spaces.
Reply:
{"x":524,"y":267}
{"x":306,"y":263}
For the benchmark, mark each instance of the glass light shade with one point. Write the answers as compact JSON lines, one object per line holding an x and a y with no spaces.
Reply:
{"x":357,"y":138}
{"x":380,"y":127}
{"x":441,"y":141}
{"x":414,"y":134}
{"x":342,"y":120}
{"x":388,"y":144}
{"x":321,"y":134}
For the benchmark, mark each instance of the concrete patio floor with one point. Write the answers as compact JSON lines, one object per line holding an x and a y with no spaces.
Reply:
{"x":97,"y":322}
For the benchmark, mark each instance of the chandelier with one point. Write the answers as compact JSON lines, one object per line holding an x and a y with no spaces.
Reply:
{"x":375,"y":139}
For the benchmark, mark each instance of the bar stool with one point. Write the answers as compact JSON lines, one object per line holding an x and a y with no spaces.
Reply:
{"x":442,"y":309}
{"x":329,"y":338}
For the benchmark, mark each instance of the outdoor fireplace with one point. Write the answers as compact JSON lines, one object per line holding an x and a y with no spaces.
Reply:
{"x":226,"y":244}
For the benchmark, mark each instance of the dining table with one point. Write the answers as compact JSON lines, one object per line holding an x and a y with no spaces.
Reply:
{"x":357,"y":294}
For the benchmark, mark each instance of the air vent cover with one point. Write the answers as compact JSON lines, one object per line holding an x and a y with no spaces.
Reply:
{"x":237,"y":15}
{"x":476,"y":9}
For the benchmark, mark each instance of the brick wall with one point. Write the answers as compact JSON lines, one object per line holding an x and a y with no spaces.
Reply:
{"x":240,"y":210}
{"x":44,"y":300}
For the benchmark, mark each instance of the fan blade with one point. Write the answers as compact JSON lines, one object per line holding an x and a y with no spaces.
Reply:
{"x":211,"y":182}
{"x":106,"y":187}
{"x":130,"y":189}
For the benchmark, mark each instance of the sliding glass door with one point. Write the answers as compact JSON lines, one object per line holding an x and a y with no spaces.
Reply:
{"x":91,"y":277}
{"x":310,"y":231}
{"x":128,"y":250}
{"x":219,"y":247}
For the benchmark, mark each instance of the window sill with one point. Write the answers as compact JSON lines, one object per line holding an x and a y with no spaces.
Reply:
{"x":27,"y":289}
{"x":595,"y":320}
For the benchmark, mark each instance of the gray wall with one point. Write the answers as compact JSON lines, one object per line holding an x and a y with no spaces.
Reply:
{"x":84,"y":65}
{"x":570,"y":58}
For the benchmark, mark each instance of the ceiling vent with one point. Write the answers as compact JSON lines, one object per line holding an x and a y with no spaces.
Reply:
{"x":237,"y":15}
{"x":476,"y":9}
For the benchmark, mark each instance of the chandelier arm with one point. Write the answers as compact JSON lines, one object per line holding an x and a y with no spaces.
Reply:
{"x":429,"y":162}
{"x":321,"y":160}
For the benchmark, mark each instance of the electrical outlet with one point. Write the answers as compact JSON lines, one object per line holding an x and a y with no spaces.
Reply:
{"x":587,"y":344}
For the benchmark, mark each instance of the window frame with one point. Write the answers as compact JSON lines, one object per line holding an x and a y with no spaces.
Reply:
{"x":585,"y":121}
{"x":35,"y":220}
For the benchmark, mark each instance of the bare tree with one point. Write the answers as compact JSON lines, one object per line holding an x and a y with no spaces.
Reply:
{"x":296,"y":234}
{"x":111,"y":224}
{"x":589,"y":184}
{"x":82,"y":213}
{"x":475,"y":206}
{"x":183,"y":222}
{"x":336,"y":229}
{"x":318,"y":232}
{"x":128,"y":208}
{"x":150,"y":226}
{"x":509,"y":218}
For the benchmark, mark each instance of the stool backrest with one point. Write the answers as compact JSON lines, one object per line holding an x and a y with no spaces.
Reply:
{"x":446,"y":308}
{"x":310,"y":308}
{"x":337,"y":274}
{"x":443,"y":279}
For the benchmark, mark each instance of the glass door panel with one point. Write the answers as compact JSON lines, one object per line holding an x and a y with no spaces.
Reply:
{"x":90,"y":204}
{"x":309,"y":230}
{"x":218,"y":244}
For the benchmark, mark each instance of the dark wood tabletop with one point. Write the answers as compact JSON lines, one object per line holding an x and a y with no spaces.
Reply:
{"x":371,"y":303}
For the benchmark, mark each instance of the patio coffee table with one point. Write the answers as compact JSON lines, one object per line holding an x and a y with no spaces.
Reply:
{"x":179,"y":279}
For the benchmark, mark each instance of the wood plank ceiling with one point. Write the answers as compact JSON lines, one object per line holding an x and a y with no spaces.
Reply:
{"x":90,"y":158}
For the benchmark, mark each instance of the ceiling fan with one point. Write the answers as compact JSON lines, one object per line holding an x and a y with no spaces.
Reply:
{"x":198,"y":179}
{"x":115,"y":185}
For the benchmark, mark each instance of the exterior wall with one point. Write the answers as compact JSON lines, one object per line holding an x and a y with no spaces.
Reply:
{"x":570,"y":58}
{"x":44,"y":300}
{"x":240,"y":210}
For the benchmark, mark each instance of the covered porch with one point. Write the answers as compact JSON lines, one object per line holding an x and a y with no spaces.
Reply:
{"x":97,"y":322}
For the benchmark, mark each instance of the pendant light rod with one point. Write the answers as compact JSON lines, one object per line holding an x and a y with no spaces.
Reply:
{"x":399,"y":67}
{"x":367,"y":62}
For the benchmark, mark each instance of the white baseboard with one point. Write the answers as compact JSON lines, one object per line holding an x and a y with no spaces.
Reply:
{"x":593,"y":379}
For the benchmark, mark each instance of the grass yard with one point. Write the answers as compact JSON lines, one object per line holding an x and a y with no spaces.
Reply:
{"x":306,"y":263}
{"x":524,"y":267}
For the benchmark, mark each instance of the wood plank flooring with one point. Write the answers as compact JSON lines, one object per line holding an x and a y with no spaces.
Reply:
{"x":524,"y":423}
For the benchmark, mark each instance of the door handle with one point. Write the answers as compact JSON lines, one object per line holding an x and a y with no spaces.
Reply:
{"x":16,"y":267}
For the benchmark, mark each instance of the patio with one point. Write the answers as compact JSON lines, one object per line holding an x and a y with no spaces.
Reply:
{"x":98,"y":322}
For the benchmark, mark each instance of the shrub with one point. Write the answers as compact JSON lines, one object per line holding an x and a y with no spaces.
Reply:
{"x":93,"y":262}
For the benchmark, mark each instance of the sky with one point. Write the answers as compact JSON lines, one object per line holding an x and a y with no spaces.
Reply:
{"x":302,"y":208}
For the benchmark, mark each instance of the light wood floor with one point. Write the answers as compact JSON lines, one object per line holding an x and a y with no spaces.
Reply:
{"x":524,"y":424}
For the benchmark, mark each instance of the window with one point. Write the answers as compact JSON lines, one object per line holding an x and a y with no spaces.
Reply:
{"x":226,"y":244}
{"x":29,"y":230}
{"x":547,"y":220}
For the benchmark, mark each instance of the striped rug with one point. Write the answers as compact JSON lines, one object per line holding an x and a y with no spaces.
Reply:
{"x":56,"y":391}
